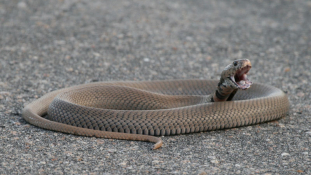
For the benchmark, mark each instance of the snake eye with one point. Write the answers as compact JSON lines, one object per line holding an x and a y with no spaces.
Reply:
{"x":235,"y":63}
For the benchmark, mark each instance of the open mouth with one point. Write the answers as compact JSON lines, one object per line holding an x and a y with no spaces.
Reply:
{"x":240,"y":78}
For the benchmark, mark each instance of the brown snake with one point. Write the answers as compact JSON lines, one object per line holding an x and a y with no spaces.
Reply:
{"x":136,"y":110}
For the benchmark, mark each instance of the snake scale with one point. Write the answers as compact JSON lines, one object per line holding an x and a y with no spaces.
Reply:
{"x":142,"y":110}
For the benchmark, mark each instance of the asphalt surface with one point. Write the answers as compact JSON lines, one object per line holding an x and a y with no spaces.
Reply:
{"x":48,"y":45}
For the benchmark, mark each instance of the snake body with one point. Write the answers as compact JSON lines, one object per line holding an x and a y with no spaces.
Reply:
{"x":142,"y":110}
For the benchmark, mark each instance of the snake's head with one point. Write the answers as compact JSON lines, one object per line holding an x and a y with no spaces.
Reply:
{"x":235,"y":75}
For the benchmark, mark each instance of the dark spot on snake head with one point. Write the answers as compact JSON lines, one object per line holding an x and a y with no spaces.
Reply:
{"x":235,"y":63}
{"x":219,"y":84}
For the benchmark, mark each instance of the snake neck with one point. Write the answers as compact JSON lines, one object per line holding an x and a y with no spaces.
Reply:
{"x":224,"y":92}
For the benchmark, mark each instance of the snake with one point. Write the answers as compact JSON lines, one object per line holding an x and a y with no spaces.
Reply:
{"x":143,"y":110}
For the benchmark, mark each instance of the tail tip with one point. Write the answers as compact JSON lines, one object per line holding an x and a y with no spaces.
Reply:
{"x":158,"y":145}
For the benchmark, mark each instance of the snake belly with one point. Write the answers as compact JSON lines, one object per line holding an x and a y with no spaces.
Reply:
{"x":142,"y":110}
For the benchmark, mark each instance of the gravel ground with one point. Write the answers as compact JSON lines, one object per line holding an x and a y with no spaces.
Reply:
{"x":47,"y":45}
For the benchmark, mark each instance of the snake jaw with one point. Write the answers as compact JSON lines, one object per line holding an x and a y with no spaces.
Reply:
{"x":233,"y":77}
{"x":240,"y":78}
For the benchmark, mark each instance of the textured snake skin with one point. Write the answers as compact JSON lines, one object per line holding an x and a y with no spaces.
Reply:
{"x":136,"y":110}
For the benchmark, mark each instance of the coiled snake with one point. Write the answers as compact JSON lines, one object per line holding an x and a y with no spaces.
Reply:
{"x":136,"y":110}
